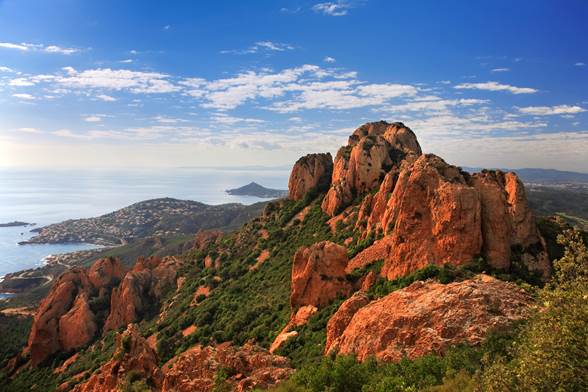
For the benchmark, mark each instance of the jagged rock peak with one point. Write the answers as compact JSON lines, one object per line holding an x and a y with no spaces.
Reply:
{"x":311,"y":172}
{"x":373,"y":150}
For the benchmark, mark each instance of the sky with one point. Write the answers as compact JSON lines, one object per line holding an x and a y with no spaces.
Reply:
{"x":243,"y":83}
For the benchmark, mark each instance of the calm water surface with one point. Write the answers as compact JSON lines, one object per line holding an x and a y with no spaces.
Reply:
{"x":45,"y":197}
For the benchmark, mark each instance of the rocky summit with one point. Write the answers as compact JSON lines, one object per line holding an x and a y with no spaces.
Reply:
{"x":385,"y":253}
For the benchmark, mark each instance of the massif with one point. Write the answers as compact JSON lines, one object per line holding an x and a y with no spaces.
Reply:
{"x":389,"y":210}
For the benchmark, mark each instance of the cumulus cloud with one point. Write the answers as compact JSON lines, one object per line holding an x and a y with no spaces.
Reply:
{"x":551,"y":110}
{"x":6,"y":69}
{"x":329,"y":59}
{"x":495,"y":86}
{"x":118,"y":79}
{"x":93,"y":119}
{"x":332,"y":9}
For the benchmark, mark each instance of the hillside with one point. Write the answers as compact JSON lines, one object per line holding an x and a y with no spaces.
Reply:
{"x":256,"y":190}
{"x":385,"y":270}
{"x":157,"y":217}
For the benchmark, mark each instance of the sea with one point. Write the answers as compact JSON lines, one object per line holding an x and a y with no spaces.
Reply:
{"x":51,"y":196}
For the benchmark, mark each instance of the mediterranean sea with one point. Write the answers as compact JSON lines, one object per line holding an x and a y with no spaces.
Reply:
{"x":45,"y":197}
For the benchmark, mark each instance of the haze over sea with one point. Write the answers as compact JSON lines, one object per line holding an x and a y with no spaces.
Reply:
{"x":45,"y":197}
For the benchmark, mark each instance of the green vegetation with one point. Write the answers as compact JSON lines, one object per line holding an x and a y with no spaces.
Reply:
{"x":458,"y":366}
{"x":551,"y":351}
{"x":14,"y":331}
{"x":244,"y":304}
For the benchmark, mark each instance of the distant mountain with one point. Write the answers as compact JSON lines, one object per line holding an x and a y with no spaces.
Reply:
{"x":254,"y":189}
{"x":544,"y":176}
{"x":156,"y":217}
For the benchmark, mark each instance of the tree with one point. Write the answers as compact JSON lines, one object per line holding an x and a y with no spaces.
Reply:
{"x":551,"y":354}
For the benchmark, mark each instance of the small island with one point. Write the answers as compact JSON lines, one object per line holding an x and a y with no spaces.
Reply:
{"x":16,"y":224}
{"x":256,"y":190}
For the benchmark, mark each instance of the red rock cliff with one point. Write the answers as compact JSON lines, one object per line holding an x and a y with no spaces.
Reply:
{"x":311,"y":172}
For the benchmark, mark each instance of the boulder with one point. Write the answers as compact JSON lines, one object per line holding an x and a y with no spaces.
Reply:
{"x":426,"y":317}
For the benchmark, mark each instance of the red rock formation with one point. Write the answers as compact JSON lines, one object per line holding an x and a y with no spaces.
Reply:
{"x":508,"y":222}
{"x":342,"y":317}
{"x":132,"y":355}
{"x":311,"y":172}
{"x":433,"y":217}
{"x":298,"y":319}
{"x":205,"y":238}
{"x":141,"y":289}
{"x":373,"y":149}
{"x":318,"y":275}
{"x":426,"y":317}
{"x":78,"y":326}
{"x":195,"y":370}
{"x":105,"y":272}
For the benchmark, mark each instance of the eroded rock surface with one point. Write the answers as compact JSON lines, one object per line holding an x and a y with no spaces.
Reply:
{"x":318,"y":275}
{"x":426,"y":317}
{"x":311,"y":172}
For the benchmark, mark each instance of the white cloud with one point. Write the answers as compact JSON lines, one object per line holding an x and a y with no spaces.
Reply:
{"x":166,"y":27}
{"x":93,"y":119}
{"x":21,"y":82}
{"x":122,"y":79}
{"x":6,"y":69}
{"x":26,"y":97}
{"x":430,"y":104}
{"x":329,"y":59}
{"x":105,"y":98}
{"x":126,"y":61}
{"x":332,"y":9}
{"x":39,"y":47}
{"x":500,"y":70}
{"x":580,"y":64}
{"x":60,"y":50}
{"x":495,"y":86}
{"x":8,"y":45}
{"x":265,"y":46}
{"x":551,"y":110}
{"x":222,"y":118}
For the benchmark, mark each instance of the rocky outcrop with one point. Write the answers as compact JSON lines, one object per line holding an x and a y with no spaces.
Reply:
{"x":342,"y":317}
{"x":78,"y":326}
{"x":433,"y":217}
{"x":298,"y":319}
{"x":508,"y":224}
{"x":64,"y":320}
{"x":318,"y":275}
{"x":141,"y":290}
{"x":372,"y":151}
{"x":426,"y":317}
{"x":132,"y":356}
{"x":251,"y":367}
{"x":311,"y":172}
{"x":205,"y":238}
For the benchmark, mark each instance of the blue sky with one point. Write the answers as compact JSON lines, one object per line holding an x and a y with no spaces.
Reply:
{"x":145,"y":83}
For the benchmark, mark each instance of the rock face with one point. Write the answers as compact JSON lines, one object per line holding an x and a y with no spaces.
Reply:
{"x":64,"y":320}
{"x":311,"y":172}
{"x":318,"y":275}
{"x":433,"y":217}
{"x":195,"y":370}
{"x":342,"y":317}
{"x":426,"y":317}
{"x":141,"y":289}
{"x":372,"y":150}
{"x":508,"y":222}
{"x":132,"y":356}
